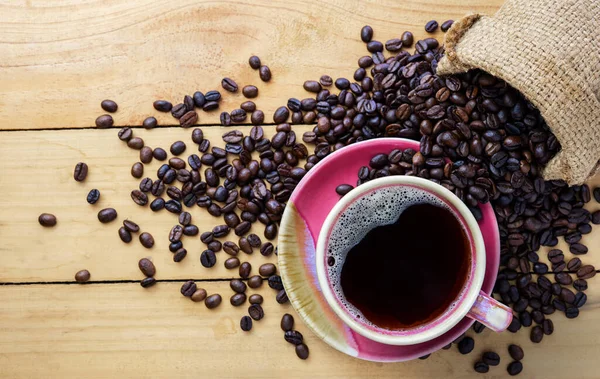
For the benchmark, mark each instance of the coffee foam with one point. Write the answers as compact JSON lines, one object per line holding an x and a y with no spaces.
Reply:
{"x":382,"y":206}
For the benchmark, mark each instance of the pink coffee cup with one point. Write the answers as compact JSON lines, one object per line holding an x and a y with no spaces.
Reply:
{"x":470,"y":301}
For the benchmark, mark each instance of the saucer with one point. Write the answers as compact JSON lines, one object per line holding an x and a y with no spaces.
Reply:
{"x":302,"y":220}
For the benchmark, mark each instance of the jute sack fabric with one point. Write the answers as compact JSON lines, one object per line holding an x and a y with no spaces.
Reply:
{"x":550,"y":51}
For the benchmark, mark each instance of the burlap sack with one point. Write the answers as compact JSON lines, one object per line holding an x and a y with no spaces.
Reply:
{"x":550,"y":51}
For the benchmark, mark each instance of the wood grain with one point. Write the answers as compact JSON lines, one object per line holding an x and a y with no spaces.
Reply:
{"x":125,"y":331}
{"x":59,"y":60}
{"x":36,"y":176}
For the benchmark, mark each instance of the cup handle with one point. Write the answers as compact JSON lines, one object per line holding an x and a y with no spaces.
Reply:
{"x":491,"y":313}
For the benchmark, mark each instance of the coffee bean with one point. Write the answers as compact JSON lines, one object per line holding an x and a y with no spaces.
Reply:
{"x":137,"y":170}
{"x":256,"y":312}
{"x":81,"y":171}
{"x":238,"y":299}
{"x":125,"y":134}
{"x":491,"y":358}
{"x":82,"y":276}
{"x":586,"y":272}
{"x":481,"y":367}
{"x":466,"y":345}
{"x":294,"y":337}
{"x":147,"y":282}
{"x":393,"y":45}
{"x":232,"y":263}
{"x":580,"y":285}
{"x":366,"y":34}
{"x":237,"y":285}
{"x":537,"y":334}
{"x":375,"y":47}
{"x":281,"y":297}
{"x":47,"y":219}
{"x":407,"y":39}
{"x":146,"y":240}
{"x":105,"y":121}
{"x":229,"y":85}
{"x":109,"y":106}
{"x":516,"y":352}
{"x":238,"y":115}
{"x":514,"y":368}
{"x":93,"y":196}
{"x":208,"y":258}
{"x":255,"y":281}
{"x":281,"y":114}
{"x":138,"y":197}
{"x":173,"y":206}
{"x":250,"y":91}
{"x":446,"y":25}
{"x":302,"y":351}
{"x":157,"y":204}
{"x":149,"y":123}
{"x":255,"y":299}
{"x":188,"y":288}
{"x":131,"y":226}
{"x":162,"y":106}
{"x":595,"y":219}
{"x":199,"y":295}
{"x":267,"y":269}
{"x":124,"y":234}
{"x":177,"y":148}
{"x":147,"y":267}
{"x":179,"y":255}
{"x":107,"y":215}
{"x":213,"y":301}
{"x":135,"y":143}
{"x":214,"y":246}
{"x":264,"y":73}
{"x":174,"y":246}
{"x":254,"y":62}
{"x":246,"y":323}
{"x":270,"y":232}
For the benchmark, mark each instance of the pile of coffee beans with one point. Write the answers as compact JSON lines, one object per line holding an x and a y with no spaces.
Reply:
{"x":478,"y":137}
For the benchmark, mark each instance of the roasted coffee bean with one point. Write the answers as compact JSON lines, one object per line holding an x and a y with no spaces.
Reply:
{"x":173,"y":206}
{"x":255,"y":281}
{"x":47,"y":219}
{"x":516,"y":352}
{"x":105,"y":121}
{"x":514,"y":368}
{"x":214,"y":246}
{"x":393,"y":45}
{"x":431,"y":26}
{"x":159,"y":154}
{"x":131,"y":226}
{"x":93,"y":196}
{"x":466,"y":345}
{"x":199,"y":295}
{"x":537,"y":334}
{"x":245,"y":245}
{"x":179,"y":255}
{"x":586,"y":272}
{"x":256,"y":312}
{"x":254,"y":62}
{"x":481,"y":367}
{"x":246,"y":323}
{"x":147,"y":282}
{"x":270,"y":232}
{"x":177,"y":148}
{"x":294,"y":337}
{"x":137,"y":170}
{"x":109,"y":106}
{"x":366,"y":34}
{"x":267,"y":249}
{"x":138,"y":197}
{"x":250,"y":91}
{"x":157,"y":204}
{"x":176,"y":233}
{"x":125,"y":134}
{"x":281,"y":297}
{"x":230,"y":248}
{"x":107,"y":215}
{"x":267,"y":269}
{"x":238,"y":115}
{"x":162,"y":106}
{"x":147,"y":267}
{"x":208,"y":258}
{"x":325,"y":81}
{"x":548,"y":327}
{"x":229,"y":85}
{"x":238,"y":299}
{"x":446,"y":25}
{"x":580,"y":285}
{"x":302,"y":351}
{"x":146,"y":240}
{"x":578,"y":249}
{"x":407,"y":39}
{"x":281,"y":114}
{"x":213,"y":301}
{"x":255,"y":299}
{"x":135,"y":143}
{"x":237,"y":286}
{"x":188,"y":288}
{"x":174,"y":246}
{"x":491,"y":358}
{"x":82,"y":276}
{"x":81,"y":171}
{"x":264,"y":73}
{"x":244,"y":270}
{"x":124,"y":234}
{"x":275,"y":282}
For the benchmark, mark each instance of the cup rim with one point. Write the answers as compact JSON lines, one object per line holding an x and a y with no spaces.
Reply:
{"x":469,"y":295}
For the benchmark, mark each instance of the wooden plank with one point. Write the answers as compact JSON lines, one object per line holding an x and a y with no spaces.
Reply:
{"x":58,"y":60}
{"x":36,"y":176}
{"x":123,"y":330}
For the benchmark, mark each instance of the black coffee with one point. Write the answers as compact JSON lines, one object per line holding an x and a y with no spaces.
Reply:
{"x":407,"y":273}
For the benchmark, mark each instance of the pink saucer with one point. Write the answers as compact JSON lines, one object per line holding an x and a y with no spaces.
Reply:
{"x":305,"y":213}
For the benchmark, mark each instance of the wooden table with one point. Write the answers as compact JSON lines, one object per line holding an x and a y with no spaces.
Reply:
{"x":58,"y":60}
